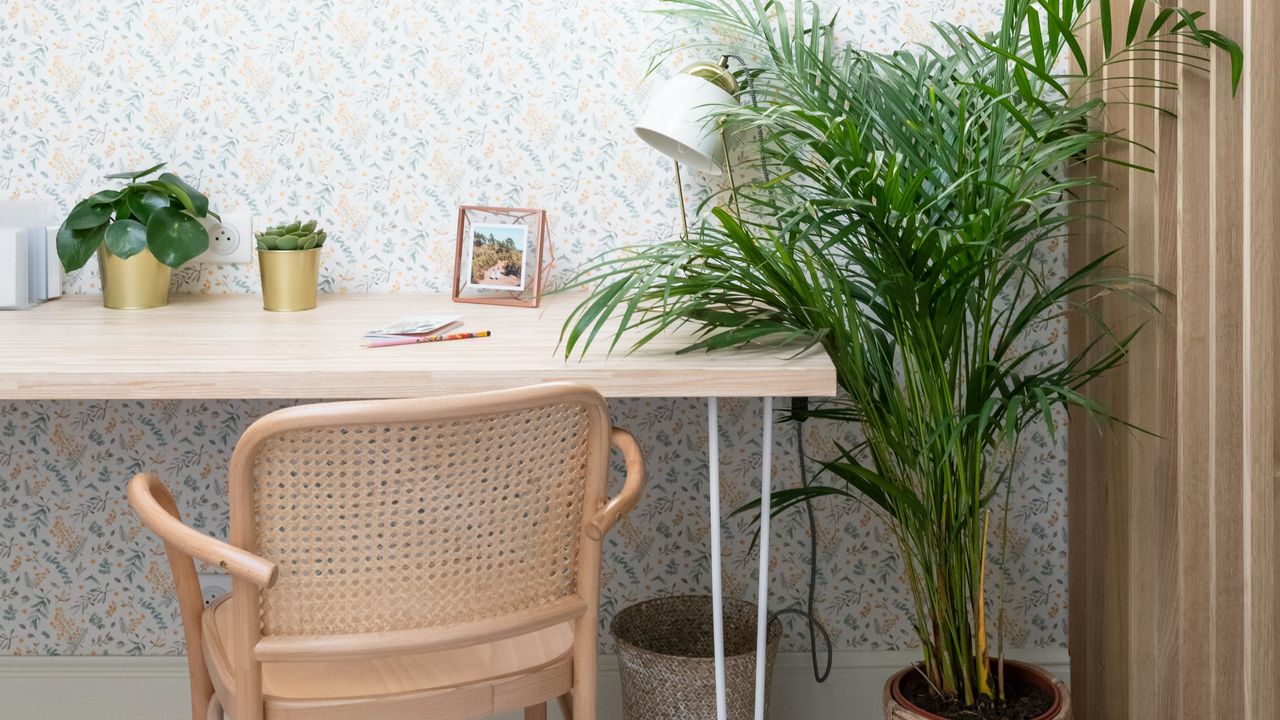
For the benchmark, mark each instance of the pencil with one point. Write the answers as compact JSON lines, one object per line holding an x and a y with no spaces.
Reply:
{"x":434,"y":338}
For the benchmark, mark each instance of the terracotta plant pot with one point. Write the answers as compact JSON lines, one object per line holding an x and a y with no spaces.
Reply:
{"x":897,"y":707}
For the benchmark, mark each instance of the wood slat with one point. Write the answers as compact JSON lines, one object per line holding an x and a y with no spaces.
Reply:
{"x":1226,"y":168}
{"x":1165,"y":505}
{"x":1262,"y":340}
{"x":1194,"y":397}
{"x":1081,"y":435}
{"x":1113,"y":488}
{"x":1089,"y":581}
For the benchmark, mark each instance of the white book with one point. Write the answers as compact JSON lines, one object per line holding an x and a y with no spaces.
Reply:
{"x":53,"y":266}
{"x":15,"y":269}
{"x":37,"y":265}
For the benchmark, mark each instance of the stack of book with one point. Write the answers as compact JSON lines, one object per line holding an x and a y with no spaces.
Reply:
{"x":30,"y":271}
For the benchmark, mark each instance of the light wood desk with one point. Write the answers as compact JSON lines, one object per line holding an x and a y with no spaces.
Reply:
{"x":228,"y":347}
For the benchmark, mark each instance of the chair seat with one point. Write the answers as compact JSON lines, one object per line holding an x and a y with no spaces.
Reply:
{"x":488,"y":667}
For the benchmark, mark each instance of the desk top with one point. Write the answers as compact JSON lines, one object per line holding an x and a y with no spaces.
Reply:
{"x":204,"y":346}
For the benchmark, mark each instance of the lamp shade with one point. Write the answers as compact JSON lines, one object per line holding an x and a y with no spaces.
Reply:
{"x":680,"y":124}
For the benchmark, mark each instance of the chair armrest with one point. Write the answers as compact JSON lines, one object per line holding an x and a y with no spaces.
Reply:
{"x":631,"y":489}
{"x":155,"y":507}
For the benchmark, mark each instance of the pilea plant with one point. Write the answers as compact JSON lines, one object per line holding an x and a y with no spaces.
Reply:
{"x":159,"y":215}
{"x":296,"y":235}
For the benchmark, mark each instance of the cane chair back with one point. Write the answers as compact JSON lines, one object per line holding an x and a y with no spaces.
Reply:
{"x":381,"y":525}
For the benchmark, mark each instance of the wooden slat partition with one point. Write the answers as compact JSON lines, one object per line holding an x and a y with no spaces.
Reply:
{"x":1174,"y":549}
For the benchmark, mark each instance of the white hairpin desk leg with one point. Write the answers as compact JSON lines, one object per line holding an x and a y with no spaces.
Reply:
{"x":762,"y":593}
{"x":717,"y":591}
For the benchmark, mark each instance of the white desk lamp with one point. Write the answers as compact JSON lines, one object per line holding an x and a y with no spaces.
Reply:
{"x":680,"y":122}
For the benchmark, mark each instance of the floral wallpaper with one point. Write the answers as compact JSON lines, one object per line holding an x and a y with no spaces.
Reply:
{"x":78,"y":574}
{"x":380,"y":118}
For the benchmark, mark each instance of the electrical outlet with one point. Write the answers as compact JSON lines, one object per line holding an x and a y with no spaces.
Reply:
{"x":213,"y":586}
{"x":230,"y":241}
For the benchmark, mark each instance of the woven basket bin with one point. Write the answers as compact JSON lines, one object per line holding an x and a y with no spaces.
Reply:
{"x":666,"y":658}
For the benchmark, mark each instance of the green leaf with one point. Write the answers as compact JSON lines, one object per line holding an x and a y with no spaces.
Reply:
{"x":1104,"y":18}
{"x":88,"y":215}
{"x":143,"y":202}
{"x":103,"y":197}
{"x":1036,"y":36}
{"x":1067,"y":35}
{"x":1162,"y":17}
{"x":134,"y":174}
{"x":75,"y":247}
{"x":198,"y":202}
{"x":1233,"y":50}
{"x":173,"y":192}
{"x":1187,"y":19}
{"x":893,"y":497}
{"x":126,"y":238}
{"x":783,"y":500}
{"x":1135,"y":20}
{"x":175,"y":237}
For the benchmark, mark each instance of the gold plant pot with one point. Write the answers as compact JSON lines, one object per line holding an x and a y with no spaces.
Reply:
{"x":138,"y":283}
{"x":289,"y":279}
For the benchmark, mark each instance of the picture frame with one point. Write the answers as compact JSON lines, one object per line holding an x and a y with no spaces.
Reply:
{"x":503,"y":256}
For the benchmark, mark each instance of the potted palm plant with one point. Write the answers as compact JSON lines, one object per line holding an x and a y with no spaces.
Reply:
{"x":139,"y":232}
{"x":905,"y":206}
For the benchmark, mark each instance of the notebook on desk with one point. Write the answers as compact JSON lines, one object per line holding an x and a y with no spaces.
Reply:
{"x":415,"y":326}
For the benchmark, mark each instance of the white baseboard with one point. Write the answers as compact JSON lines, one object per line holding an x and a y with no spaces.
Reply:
{"x":155,"y":688}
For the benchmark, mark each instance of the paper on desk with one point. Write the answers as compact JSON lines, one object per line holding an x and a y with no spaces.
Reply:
{"x":415,"y":326}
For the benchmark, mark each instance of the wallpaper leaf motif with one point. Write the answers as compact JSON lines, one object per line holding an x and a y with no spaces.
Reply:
{"x":379,"y":119}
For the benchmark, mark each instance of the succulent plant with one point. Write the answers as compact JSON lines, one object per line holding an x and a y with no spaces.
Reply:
{"x":296,"y":235}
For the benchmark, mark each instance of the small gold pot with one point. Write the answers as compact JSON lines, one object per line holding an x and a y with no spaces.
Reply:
{"x":289,"y":279}
{"x":138,"y":283}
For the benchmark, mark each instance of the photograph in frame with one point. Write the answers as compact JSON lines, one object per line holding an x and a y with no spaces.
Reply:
{"x":496,"y":257}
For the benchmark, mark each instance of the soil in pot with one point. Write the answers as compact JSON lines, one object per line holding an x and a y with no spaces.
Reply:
{"x":1023,"y":701}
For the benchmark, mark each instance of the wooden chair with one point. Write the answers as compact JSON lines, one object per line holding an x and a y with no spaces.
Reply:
{"x":433,"y":558}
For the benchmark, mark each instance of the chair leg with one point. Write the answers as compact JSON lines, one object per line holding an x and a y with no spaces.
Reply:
{"x":585,"y":664}
{"x":202,"y":709}
{"x":566,"y":705}
{"x":536,"y":712}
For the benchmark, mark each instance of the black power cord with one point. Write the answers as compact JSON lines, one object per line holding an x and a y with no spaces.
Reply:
{"x":800,"y":413}
{"x":750,"y":87}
